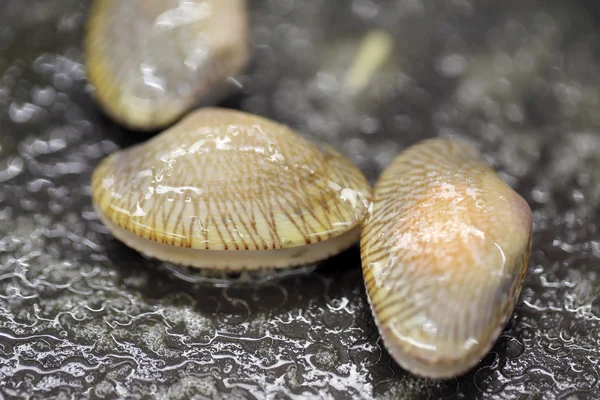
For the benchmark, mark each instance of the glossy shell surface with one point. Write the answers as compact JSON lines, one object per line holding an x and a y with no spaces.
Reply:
{"x":153,"y":60}
{"x":444,"y":252}
{"x":231,"y":190}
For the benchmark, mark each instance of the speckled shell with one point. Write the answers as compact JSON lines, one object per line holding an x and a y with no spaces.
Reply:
{"x":231,"y":190}
{"x":153,"y":60}
{"x":444,"y":253}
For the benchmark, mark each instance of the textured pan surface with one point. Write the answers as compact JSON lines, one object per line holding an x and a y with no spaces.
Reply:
{"x":444,"y":255}
{"x":83,"y":316}
{"x":152,"y":60}
{"x":226,"y":180}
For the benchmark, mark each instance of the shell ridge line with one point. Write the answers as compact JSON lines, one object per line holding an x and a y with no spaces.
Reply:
{"x":297,"y":224}
{"x":225,"y":217}
{"x":307,"y":204}
{"x":268,"y":217}
{"x":154,"y":210}
{"x":294,"y":202}
{"x":194,"y":220}
{"x":252,"y":205}
{"x":173,"y":235}
{"x":186,"y":241}
{"x":206,"y":225}
{"x":341,"y":207}
{"x":240,"y":216}
{"x":187,"y":166}
{"x":216,"y":225}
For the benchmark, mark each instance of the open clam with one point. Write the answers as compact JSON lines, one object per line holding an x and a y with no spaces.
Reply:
{"x":153,"y":60}
{"x":444,"y":252}
{"x":230,"y":190}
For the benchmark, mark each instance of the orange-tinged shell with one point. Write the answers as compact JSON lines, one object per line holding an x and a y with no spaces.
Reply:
{"x":231,"y":190}
{"x":444,"y":253}
{"x":153,"y":60}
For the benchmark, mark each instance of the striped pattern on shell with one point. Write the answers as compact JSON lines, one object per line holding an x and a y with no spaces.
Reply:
{"x":444,"y":255}
{"x":231,"y":182}
{"x":153,"y":60}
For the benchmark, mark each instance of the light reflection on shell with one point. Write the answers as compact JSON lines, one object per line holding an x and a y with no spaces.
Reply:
{"x":231,"y":190}
{"x":153,"y":60}
{"x":444,"y":252}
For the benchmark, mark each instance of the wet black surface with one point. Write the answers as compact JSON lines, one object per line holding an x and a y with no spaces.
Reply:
{"x":82,"y":316}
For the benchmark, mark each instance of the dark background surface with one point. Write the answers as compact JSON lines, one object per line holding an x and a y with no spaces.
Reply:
{"x":82,"y":316}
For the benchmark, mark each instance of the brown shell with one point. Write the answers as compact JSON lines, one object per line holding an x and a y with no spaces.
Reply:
{"x":153,"y":60}
{"x":444,"y":255}
{"x":235,"y":185}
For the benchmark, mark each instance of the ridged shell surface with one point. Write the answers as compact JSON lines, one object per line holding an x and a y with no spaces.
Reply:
{"x":152,"y":60}
{"x":444,"y":252}
{"x":231,"y":190}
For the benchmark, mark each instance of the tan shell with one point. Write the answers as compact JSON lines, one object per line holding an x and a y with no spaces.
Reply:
{"x":444,"y":255}
{"x":231,"y":190}
{"x":153,"y":60}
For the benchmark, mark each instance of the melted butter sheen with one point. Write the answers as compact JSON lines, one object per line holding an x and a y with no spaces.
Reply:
{"x":223,"y":180}
{"x":153,"y":60}
{"x":444,"y":255}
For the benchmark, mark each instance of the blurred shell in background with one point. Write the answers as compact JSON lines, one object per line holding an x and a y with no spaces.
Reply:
{"x":234,"y":191}
{"x":444,"y":254}
{"x":153,"y":60}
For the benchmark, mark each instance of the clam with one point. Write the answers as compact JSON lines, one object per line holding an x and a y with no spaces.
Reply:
{"x":233,"y":191}
{"x":151,"y":61}
{"x":444,"y":254}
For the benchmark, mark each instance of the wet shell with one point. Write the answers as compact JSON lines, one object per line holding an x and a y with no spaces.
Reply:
{"x":230,"y":190}
{"x":153,"y":60}
{"x":444,"y":255}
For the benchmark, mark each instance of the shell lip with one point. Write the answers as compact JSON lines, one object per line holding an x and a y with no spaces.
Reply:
{"x":152,"y":235}
{"x":438,"y":367}
{"x":234,"y":260}
{"x":445,"y":367}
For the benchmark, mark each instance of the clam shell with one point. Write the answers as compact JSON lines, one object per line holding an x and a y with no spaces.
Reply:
{"x":231,"y":190}
{"x":153,"y":60}
{"x":444,"y":254}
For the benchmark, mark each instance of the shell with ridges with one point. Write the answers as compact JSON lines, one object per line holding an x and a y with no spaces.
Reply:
{"x":231,"y":190}
{"x":153,"y":60}
{"x":444,"y":252}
